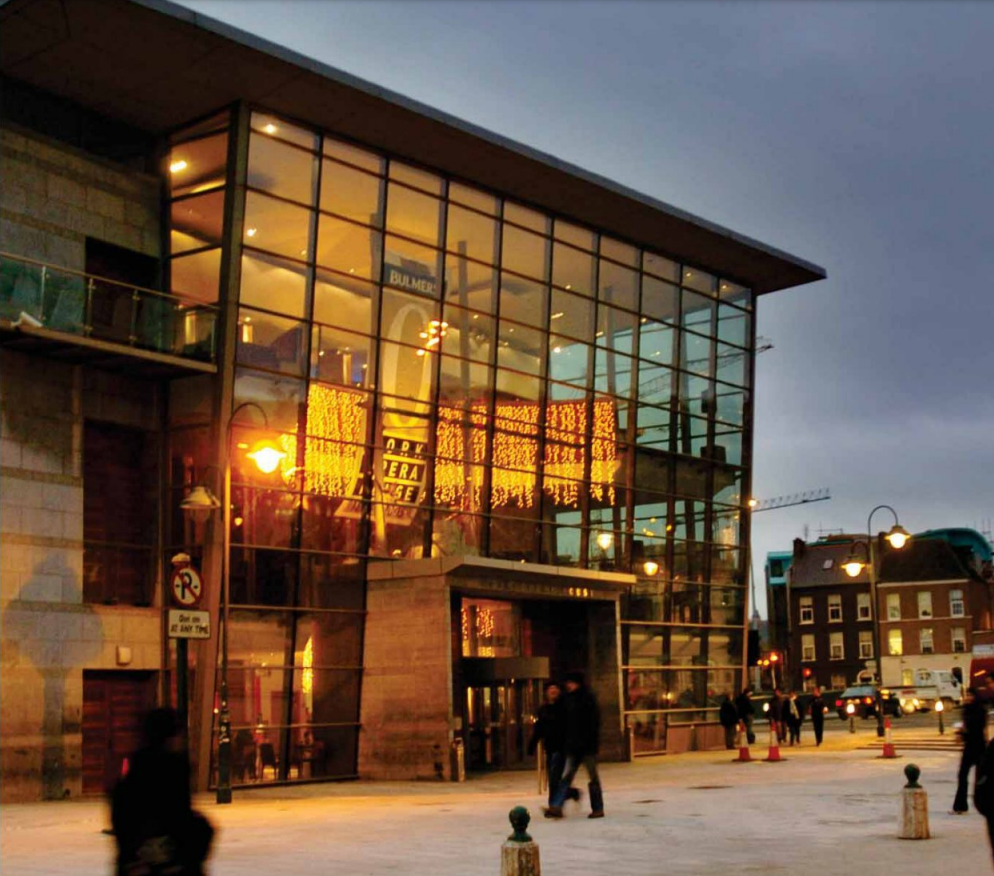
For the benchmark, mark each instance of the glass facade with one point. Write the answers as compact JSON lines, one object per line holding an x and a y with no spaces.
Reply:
{"x":452,"y":373}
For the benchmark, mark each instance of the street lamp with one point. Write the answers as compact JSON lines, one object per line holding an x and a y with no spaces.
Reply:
{"x":898,"y":537}
{"x":266,"y":455}
{"x":939,"y":709}
{"x":851,"y":712}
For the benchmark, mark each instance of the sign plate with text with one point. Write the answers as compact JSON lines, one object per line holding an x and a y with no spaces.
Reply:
{"x":184,"y":624}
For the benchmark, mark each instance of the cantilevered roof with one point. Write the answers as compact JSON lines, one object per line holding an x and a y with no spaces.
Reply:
{"x":157,"y":65}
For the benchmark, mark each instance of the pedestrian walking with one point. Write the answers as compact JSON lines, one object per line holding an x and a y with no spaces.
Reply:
{"x":550,"y":730}
{"x":776,"y":715}
{"x":794,"y":717}
{"x":817,"y":715}
{"x":581,"y":744}
{"x":155,"y":827}
{"x":728,"y":717}
{"x":974,"y":737}
{"x":747,"y":711}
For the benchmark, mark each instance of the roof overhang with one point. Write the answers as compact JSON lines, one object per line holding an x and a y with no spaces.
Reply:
{"x":157,"y":65}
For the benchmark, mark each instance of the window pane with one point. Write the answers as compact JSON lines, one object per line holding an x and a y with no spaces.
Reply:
{"x":352,"y":193}
{"x":411,"y":319}
{"x":656,"y":384}
{"x":413,"y":176}
{"x":397,"y":531}
{"x":345,"y":302}
{"x":615,"y":329}
{"x":613,"y":372}
{"x":473,"y":198}
{"x":572,"y":315}
{"x":469,"y":334}
{"x":412,"y":266}
{"x":699,"y":280}
{"x":273,"y":284}
{"x":528,"y":218}
{"x":196,"y":276}
{"x":732,"y":362}
{"x":660,"y":267}
{"x":583,"y":238}
{"x":512,"y":539}
{"x":464,"y":382}
{"x":198,"y":165}
{"x":620,"y":252}
{"x":280,"y":397}
{"x":260,"y":577}
{"x":413,"y":214}
{"x":470,"y":284}
{"x":727,"y":446}
{"x":618,"y":285}
{"x":351,"y":249}
{"x":335,"y":523}
{"x":573,"y":269}
{"x":734,"y":326}
{"x":696,"y":354}
{"x":513,"y":386}
{"x":729,"y":291}
{"x":264,"y":517}
{"x":523,"y":300}
{"x":520,"y":348}
{"x":653,"y":427}
{"x":329,"y":581}
{"x":276,"y":226}
{"x":272,"y":126}
{"x":282,"y":170}
{"x":271,"y":342}
{"x":470,"y":234}
{"x":406,"y":372}
{"x":656,"y":342}
{"x":525,"y":253}
{"x":343,"y":357}
{"x":353,"y":155}
{"x":569,"y":362}
{"x":660,"y":300}
{"x":697,"y":312}
{"x":335,"y":638}
{"x":196,"y":222}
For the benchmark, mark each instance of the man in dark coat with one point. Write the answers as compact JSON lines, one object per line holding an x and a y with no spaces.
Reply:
{"x":746,"y":710}
{"x":818,"y":715}
{"x":550,"y":730}
{"x":793,"y":717}
{"x":728,"y":717}
{"x":154,"y":824}
{"x":582,"y":741}
{"x":974,"y":736}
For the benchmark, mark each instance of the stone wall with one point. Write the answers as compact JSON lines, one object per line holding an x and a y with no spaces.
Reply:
{"x":53,"y":197}
{"x":407,"y":684}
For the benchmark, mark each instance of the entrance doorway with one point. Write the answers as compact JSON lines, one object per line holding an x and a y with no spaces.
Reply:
{"x":114,"y":704}
{"x":499,"y":720}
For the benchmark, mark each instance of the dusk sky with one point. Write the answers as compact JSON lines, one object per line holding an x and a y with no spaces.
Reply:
{"x":854,"y":135}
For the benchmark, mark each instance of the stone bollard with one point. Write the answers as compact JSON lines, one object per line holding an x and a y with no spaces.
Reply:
{"x":519,"y":854}
{"x":914,"y":807}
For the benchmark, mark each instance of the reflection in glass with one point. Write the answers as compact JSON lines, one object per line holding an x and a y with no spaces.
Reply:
{"x":271,"y":342}
{"x":198,"y":165}
{"x":734,"y":326}
{"x":572,"y":315}
{"x":281,"y":170}
{"x":576,"y":236}
{"x":275,"y":127}
{"x":471,"y":234}
{"x":276,"y":226}
{"x":345,"y":302}
{"x":413,"y":214}
{"x":412,"y":266}
{"x":470,"y":334}
{"x":520,"y":348}
{"x":525,"y":253}
{"x":417,"y":178}
{"x":349,"y":248}
{"x":273,"y":284}
{"x":470,"y":284}
{"x":530,"y":219}
{"x":196,"y":276}
{"x":619,"y":252}
{"x":523,"y":300}
{"x":699,"y":280}
{"x":618,"y":285}
{"x":659,"y":300}
{"x":572,"y":269}
{"x":342,"y":357}
{"x":196,"y":222}
{"x":351,"y":193}
{"x":353,"y":155}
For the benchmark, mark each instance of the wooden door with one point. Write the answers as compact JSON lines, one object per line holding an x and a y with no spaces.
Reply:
{"x":114,"y":704}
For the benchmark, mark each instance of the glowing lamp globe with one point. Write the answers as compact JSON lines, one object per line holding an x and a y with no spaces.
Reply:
{"x":266,"y":456}
{"x":853,"y":567}
{"x":898,"y":537}
{"x":650,"y":567}
{"x":605,"y":540}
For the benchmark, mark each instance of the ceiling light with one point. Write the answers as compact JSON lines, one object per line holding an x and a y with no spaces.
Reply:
{"x":557,"y":315}
{"x":251,"y":232}
{"x":270,"y":128}
{"x":178,"y":166}
{"x":568,"y":286}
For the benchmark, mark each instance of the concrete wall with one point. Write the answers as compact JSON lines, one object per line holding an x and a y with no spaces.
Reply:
{"x":406,"y":686}
{"x":51,"y":199}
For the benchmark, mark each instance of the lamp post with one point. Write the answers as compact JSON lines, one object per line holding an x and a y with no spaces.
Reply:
{"x":939,"y":709}
{"x":898,"y":537}
{"x":266,"y":455}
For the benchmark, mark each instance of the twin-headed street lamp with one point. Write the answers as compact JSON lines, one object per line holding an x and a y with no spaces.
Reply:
{"x":200,"y":503}
{"x":897,"y":537}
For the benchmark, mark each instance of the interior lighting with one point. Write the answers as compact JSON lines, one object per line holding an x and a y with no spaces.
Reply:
{"x":650,"y":567}
{"x":178,"y":166}
{"x":753,"y":503}
{"x":558,"y":315}
{"x":251,"y":232}
{"x":270,"y":128}
{"x":605,"y":540}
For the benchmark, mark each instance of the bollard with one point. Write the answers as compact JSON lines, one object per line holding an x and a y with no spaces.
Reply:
{"x":914,"y":807}
{"x":745,"y":756}
{"x":457,"y":760}
{"x":519,"y":854}
{"x":889,"y":750}
{"x":540,"y":767}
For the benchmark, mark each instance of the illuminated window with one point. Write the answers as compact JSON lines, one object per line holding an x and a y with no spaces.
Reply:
{"x":865,"y":644}
{"x":956,"y":607}
{"x":835,"y":608}
{"x":895,"y":643}
{"x":958,"y":635}
{"x":863,"y":611}
{"x":925,"y":640}
{"x":893,"y":606}
{"x":807,"y":610}
{"x":836,"y":648}
{"x":924,"y":603}
{"x":808,"y":648}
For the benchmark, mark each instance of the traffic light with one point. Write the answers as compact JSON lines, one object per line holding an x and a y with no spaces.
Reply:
{"x":774,"y":657}
{"x":806,"y":672}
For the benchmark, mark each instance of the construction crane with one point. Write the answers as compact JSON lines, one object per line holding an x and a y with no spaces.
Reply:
{"x":819,"y":495}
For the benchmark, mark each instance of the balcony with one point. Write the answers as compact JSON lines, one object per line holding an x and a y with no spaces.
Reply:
{"x":82,"y":319}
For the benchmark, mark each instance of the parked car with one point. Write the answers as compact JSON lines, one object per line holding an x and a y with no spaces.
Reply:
{"x":864,"y":698}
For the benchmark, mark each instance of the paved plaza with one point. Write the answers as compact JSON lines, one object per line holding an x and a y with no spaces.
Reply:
{"x":833,"y":809}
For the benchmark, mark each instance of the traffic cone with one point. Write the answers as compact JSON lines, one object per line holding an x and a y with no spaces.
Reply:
{"x":888,"y":741}
{"x":745,"y":756}
{"x":774,"y":754}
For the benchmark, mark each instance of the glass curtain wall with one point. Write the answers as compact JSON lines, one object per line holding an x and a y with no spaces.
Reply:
{"x":452,"y":373}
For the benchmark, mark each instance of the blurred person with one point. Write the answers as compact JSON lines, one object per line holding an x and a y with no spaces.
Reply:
{"x":155,"y":827}
{"x":728,"y":717}
{"x":747,"y":711}
{"x":817,"y":707}
{"x":581,"y":744}
{"x":793,"y":717}
{"x":973,"y":734}
{"x":776,"y":715}
{"x":550,"y":730}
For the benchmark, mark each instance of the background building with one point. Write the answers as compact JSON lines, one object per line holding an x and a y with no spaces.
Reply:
{"x":512,"y":402}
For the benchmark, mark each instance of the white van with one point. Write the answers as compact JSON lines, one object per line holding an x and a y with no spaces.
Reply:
{"x":930,"y":686}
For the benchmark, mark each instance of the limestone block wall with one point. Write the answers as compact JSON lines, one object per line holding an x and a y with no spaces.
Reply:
{"x":407,"y":686}
{"x":48,"y":635}
{"x":54,"y":196}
